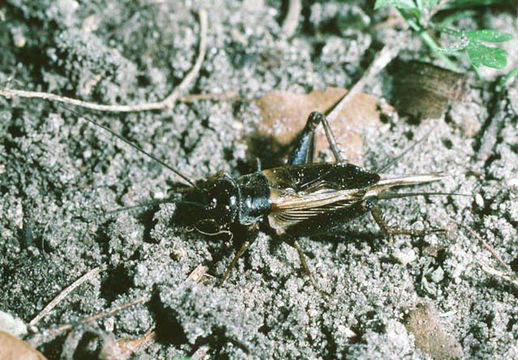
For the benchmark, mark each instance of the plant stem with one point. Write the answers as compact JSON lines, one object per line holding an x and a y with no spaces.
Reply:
{"x":429,"y":41}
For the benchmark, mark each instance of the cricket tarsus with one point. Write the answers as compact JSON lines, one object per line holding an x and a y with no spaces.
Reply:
{"x":390,"y":231}
{"x":305,"y":266}
{"x":233,"y":263}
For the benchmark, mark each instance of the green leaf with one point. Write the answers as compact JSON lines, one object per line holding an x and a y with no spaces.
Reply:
{"x":455,"y":16}
{"x":487,"y":35}
{"x":480,"y":54}
{"x":430,"y":3}
{"x":400,"y":4}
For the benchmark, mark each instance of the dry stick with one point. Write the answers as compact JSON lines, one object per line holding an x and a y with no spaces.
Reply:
{"x":63,"y":294}
{"x":292,"y":18}
{"x":491,"y":271}
{"x":166,"y":103}
{"x":486,"y":245}
{"x":381,"y":60}
{"x":101,"y":315}
{"x":229,"y":95}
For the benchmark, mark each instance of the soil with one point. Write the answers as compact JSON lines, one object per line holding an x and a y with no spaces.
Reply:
{"x":60,"y":177}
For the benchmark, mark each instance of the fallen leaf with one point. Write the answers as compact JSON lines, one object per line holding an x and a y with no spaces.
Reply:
{"x":423,"y":90}
{"x":430,"y":336}
{"x":284,"y":114}
{"x":12,"y":348}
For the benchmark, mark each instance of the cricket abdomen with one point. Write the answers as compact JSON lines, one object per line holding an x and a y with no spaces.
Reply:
{"x":339,"y":176}
{"x":311,"y":198}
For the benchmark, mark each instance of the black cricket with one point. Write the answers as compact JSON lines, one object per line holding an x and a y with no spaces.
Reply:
{"x":301,"y":198}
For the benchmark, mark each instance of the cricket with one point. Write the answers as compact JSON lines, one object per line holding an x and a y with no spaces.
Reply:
{"x":259,"y":179}
{"x":301,"y":198}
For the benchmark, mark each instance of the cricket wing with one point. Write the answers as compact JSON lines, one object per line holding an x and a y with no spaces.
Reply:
{"x":289,"y":208}
{"x":302,"y":192}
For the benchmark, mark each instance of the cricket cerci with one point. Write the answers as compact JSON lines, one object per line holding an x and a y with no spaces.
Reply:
{"x":301,"y":198}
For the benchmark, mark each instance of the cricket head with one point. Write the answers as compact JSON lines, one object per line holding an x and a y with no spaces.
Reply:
{"x":209,"y":207}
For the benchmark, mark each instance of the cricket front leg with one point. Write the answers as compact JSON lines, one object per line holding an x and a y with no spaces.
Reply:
{"x":250,"y":235}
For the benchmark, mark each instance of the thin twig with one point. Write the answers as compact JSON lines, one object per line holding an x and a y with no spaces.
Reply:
{"x":166,"y":103}
{"x":229,"y":95}
{"x":52,"y":333}
{"x":111,"y":312}
{"x":492,"y":271}
{"x":292,"y":18}
{"x":63,"y":294}
{"x":381,"y":60}
{"x":486,"y":245}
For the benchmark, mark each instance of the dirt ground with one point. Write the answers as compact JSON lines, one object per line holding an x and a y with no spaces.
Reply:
{"x":436,"y":296}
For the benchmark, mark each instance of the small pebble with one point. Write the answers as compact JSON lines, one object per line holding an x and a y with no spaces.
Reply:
{"x":479,"y":200}
{"x":405,"y":255}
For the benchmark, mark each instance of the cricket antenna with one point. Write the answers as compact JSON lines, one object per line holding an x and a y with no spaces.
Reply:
{"x":133,"y":145}
{"x":154,"y":203}
{"x":395,"y":159}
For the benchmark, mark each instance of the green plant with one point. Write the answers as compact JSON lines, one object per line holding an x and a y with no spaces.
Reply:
{"x":419,"y":13}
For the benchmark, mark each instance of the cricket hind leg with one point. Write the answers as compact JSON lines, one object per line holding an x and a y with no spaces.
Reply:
{"x":305,"y":144}
{"x":337,"y":152}
{"x":390,"y":231}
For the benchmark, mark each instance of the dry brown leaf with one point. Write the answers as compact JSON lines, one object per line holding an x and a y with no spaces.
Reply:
{"x":12,"y":348}
{"x":285,"y":113}
{"x":424,"y":91}
{"x":430,"y":335}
